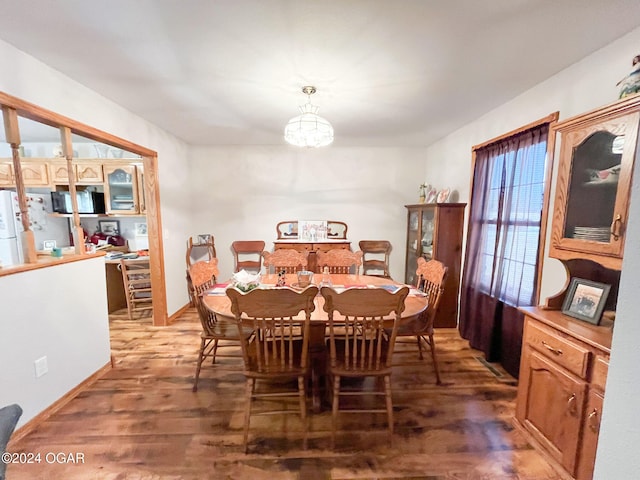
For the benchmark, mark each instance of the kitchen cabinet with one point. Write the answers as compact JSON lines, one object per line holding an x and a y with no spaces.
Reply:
{"x":34,"y":173}
{"x":122,"y":195}
{"x":594,"y":179}
{"x":561,"y":386}
{"x":142,"y":206}
{"x":84,"y":172}
{"x":434,"y":230}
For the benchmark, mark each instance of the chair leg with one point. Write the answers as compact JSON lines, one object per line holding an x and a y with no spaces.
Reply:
{"x":387,"y":396}
{"x":334,"y":410}
{"x":303,"y":409}
{"x":199,"y":366}
{"x":419,"y":347}
{"x":214,"y":350}
{"x":250,"y":385}
{"x":435,"y":360}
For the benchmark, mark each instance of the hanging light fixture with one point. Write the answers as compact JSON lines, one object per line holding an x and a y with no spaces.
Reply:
{"x":308,"y":129}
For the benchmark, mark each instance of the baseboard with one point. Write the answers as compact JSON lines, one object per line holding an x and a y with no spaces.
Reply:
{"x":180,"y":311}
{"x":28,"y":427}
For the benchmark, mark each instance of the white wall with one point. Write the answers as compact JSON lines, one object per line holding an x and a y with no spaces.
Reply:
{"x":241,"y":193}
{"x":42,"y":316}
{"x":31,"y":80}
{"x":584,"y":86}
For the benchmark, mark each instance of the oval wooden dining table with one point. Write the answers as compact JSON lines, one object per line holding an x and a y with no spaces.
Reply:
{"x":415,"y":304}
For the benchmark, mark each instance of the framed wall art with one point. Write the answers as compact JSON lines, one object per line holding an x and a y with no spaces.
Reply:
{"x":585,"y":300}
{"x":109,"y":227}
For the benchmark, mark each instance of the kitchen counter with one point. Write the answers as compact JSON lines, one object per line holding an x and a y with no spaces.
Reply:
{"x":47,"y":261}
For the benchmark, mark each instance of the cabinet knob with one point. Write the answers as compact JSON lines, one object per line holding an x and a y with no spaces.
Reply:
{"x":616,"y":226}
{"x":593,"y":422}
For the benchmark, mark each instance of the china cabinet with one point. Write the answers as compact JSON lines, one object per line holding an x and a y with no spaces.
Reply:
{"x":564,"y":360}
{"x":594,"y":180}
{"x":434,"y":231}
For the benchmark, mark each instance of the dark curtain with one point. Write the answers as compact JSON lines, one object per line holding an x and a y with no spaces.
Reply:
{"x":500,"y":271}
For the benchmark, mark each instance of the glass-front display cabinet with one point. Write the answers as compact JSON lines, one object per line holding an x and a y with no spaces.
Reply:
{"x":121,"y":192}
{"x":597,"y":154}
{"x":434,"y":231}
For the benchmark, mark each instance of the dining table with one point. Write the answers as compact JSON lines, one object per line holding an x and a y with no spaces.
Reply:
{"x":216,"y":300}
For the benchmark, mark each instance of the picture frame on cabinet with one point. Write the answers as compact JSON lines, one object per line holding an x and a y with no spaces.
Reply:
{"x":585,"y":300}
{"x":109,"y":227}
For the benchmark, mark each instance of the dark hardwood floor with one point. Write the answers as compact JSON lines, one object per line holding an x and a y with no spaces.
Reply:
{"x":142,"y":421}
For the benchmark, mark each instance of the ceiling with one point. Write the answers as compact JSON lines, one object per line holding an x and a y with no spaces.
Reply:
{"x":388,"y":73}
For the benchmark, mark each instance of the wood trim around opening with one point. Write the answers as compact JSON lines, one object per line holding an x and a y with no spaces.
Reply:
{"x":152,"y":189}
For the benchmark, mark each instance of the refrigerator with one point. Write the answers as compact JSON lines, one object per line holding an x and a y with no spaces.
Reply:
{"x":43,"y":227}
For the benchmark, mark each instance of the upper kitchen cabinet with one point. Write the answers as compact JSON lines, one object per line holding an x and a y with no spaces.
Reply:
{"x":84,"y":173}
{"x":142,"y":207}
{"x":34,"y":173}
{"x":35,"y":137}
{"x":122,"y":195}
{"x":597,"y":153}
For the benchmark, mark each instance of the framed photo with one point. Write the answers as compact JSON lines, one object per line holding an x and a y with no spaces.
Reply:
{"x":312,"y":230}
{"x":48,"y":245}
{"x":109,"y":227}
{"x":585,"y":300}
{"x":203,"y":239}
{"x":140,"y":229}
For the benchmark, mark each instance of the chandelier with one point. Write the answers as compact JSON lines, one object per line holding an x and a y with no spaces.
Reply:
{"x":308,"y":129}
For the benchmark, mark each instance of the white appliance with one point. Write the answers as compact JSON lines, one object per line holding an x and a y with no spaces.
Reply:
{"x":38,"y":205}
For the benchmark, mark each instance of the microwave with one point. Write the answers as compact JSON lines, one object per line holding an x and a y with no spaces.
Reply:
{"x":88,"y":202}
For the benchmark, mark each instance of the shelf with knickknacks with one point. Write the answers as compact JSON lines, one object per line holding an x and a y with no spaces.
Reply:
{"x":427,"y":193}
{"x":630,"y":85}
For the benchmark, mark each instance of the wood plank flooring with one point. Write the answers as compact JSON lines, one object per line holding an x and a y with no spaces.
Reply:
{"x":142,"y":421}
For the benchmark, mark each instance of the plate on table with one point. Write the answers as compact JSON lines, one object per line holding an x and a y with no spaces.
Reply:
{"x":443,"y":195}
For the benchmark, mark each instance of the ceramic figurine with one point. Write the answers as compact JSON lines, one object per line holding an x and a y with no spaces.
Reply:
{"x":630,"y":84}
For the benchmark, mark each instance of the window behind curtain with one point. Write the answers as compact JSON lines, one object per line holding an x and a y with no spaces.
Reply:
{"x":507,"y":220}
{"x":511,"y":219}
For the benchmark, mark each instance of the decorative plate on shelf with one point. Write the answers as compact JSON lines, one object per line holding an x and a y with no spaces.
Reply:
{"x":443,"y":195}
{"x":430,"y":194}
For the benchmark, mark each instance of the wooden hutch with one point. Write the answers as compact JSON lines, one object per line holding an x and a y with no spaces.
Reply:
{"x":434,"y":230}
{"x":564,"y":360}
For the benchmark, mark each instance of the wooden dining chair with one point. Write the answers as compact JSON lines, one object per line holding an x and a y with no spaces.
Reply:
{"x":367,"y":319}
{"x":136,"y":277}
{"x":287,"y":259}
{"x":199,"y":247}
{"x":215,"y":333}
{"x":430,"y":277}
{"x":336,"y":230}
{"x":375,"y":257}
{"x":339,"y":260}
{"x":279,"y":350}
{"x":247,"y":255}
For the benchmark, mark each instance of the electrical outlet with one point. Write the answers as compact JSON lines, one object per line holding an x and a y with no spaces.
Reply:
{"x":41,"y":366}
